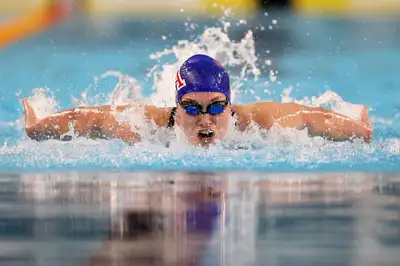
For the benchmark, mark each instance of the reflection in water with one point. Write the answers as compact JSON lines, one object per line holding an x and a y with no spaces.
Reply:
{"x":199,"y":219}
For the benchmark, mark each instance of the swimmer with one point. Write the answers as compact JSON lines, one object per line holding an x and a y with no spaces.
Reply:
{"x":203,"y":112}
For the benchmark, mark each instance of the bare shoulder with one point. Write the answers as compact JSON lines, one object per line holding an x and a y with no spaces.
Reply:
{"x":255,"y":107}
{"x":276,"y":110}
{"x":253,"y":112}
{"x":98,"y":108}
{"x":159,"y":115}
{"x":263,"y":113}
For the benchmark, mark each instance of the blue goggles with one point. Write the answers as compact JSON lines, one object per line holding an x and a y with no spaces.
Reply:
{"x":194,"y":108}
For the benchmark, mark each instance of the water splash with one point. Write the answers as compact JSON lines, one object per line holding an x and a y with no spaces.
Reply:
{"x":214,"y":42}
{"x":114,"y":154}
{"x":328,"y":99}
{"x":126,"y":91}
{"x":44,"y":102}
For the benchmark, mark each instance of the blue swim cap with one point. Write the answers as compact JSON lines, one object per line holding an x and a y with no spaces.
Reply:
{"x":201,"y":73}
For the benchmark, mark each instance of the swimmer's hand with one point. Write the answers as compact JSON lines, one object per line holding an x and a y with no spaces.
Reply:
{"x":319,"y":121}
{"x":83,"y":121}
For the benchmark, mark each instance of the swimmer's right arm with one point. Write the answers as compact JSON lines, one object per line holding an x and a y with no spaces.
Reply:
{"x":83,"y":122}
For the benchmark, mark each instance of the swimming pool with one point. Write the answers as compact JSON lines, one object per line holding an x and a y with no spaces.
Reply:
{"x":319,"y":61}
{"x":158,"y":218}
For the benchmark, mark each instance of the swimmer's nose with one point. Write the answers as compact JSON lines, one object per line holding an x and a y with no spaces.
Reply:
{"x":205,"y":120}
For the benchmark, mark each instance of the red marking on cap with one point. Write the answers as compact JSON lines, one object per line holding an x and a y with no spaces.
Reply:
{"x":179,"y":82}
{"x":218,"y":63}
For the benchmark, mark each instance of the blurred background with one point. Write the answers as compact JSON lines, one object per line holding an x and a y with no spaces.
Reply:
{"x":338,"y":35}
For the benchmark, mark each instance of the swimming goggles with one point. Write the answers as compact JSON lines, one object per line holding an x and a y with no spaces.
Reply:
{"x":194,"y":108}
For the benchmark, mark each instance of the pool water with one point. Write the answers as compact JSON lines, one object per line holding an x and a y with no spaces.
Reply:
{"x":338,"y":63}
{"x":226,"y":218}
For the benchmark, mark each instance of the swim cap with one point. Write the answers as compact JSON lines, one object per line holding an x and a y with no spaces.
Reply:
{"x":201,"y":73}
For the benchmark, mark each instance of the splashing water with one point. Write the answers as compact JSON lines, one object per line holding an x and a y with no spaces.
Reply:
{"x":126,"y":91}
{"x":280,"y":149}
{"x":44,"y":102}
{"x":214,"y":42}
{"x":328,"y":99}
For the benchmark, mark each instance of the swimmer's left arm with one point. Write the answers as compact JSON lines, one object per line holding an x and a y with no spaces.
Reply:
{"x":334,"y":126}
{"x":319,"y":121}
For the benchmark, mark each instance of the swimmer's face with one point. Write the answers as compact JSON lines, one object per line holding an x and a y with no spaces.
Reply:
{"x":203,"y":129}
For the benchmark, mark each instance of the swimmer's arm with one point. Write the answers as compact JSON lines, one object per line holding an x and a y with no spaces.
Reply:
{"x":82,"y":121}
{"x":120,"y":130}
{"x":51,"y":127}
{"x":113,"y":128}
{"x":334,"y":126}
{"x":318,"y":121}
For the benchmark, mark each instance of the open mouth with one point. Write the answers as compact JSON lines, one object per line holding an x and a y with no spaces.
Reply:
{"x":206,"y":133}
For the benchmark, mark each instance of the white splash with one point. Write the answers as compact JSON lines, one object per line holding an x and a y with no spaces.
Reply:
{"x":214,"y":42}
{"x":330,"y":99}
{"x":43,"y":101}
{"x":126,"y":91}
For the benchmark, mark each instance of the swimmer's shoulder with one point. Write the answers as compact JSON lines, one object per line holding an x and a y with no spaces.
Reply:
{"x":260,"y":112}
{"x":260,"y":108}
{"x":102,"y":108}
{"x":160,"y":116}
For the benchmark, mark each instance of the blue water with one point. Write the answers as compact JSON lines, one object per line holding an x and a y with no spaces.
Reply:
{"x":119,"y":218}
{"x":356,"y":58}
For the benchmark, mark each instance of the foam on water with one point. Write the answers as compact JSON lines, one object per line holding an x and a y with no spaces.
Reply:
{"x":249,"y":154}
{"x":255,"y":149}
{"x":44,"y":102}
{"x":328,"y":99}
